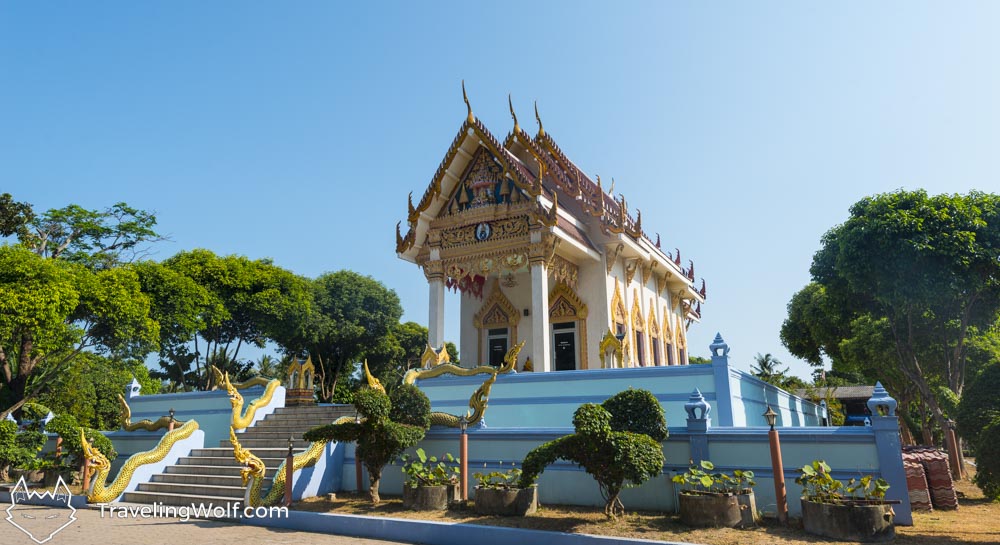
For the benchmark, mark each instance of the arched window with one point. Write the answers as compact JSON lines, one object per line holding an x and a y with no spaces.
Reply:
{"x":639,"y":327}
{"x":654,"y":335}
{"x":497,"y":324}
{"x":568,"y":321}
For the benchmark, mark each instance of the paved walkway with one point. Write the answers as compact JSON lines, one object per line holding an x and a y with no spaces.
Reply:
{"x":91,"y":529}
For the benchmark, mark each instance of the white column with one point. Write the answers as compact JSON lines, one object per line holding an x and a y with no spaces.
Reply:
{"x":435,"y":319}
{"x":541,"y":360}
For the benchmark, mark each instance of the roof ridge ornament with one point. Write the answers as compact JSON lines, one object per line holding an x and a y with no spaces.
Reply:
{"x":465,"y":97}
{"x":517,"y":127}
{"x":541,"y":129}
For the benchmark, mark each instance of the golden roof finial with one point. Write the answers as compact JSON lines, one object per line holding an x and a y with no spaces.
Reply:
{"x":541,"y":129}
{"x":517,"y":128}
{"x":465,"y":97}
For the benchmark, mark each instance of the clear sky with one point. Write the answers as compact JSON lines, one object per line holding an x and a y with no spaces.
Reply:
{"x":294,"y":130}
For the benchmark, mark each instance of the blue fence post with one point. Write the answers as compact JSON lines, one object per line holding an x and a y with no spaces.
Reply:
{"x":723,"y":389}
{"x":885,"y":426}
{"x":698,"y":422}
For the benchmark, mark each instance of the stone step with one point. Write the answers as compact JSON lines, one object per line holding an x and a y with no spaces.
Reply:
{"x":231,"y":492}
{"x":277,"y":433}
{"x":313,"y":409}
{"x":292,"y":423}
{"x":258,"y":444}
{"x":166,"y":498}
{"x":222,"y":452}
{"x":197,"y":470}
{"x":220,"y":461}
{"x":206,"y":479}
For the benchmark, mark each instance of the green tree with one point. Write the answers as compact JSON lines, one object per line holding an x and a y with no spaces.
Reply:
{"x":15,"y":217}
{"x":698,"y":360}
{"x":248,"y":302}
{"x":55,"y":310}
{"x":352,"y":315}
{"x":916,"y":273}
{"x":389,"y":426}
{"x":95,"y":238}
{"x":617,"y":442}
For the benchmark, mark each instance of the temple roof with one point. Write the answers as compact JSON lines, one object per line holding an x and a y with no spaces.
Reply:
{"x":542,"y":172}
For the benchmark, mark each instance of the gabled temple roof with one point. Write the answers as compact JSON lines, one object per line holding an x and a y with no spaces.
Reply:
{"x":542,"y":171}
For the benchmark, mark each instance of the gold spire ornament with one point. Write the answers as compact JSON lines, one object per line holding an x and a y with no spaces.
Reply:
{"x":465,"y":97}
{"x":541,"y":129}
{"x":517,"y":128}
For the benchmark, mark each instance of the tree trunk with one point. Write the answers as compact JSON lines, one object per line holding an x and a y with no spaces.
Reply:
{"x":373,"y":479}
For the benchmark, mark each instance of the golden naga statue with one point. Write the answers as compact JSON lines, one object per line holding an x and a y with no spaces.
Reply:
{"x":253,"y":470}
{"x":509,"y":361}
{"x":161,"y":423}
{"x":255,"y":381}
{"x":240,"y":419}
{"x":98,"y":492}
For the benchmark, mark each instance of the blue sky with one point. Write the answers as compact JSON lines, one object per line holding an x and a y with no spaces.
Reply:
{"x":294,"y":130}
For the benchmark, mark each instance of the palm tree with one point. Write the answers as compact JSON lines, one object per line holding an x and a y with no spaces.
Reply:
{"x":766,"y":369}
{"x":268,"y":367}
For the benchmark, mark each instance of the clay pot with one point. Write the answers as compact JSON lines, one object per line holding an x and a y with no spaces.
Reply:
{"x":710,"y":510}
{"x":506,"y":502}
{"x":867,"y":522}
{"x":426,"y":498}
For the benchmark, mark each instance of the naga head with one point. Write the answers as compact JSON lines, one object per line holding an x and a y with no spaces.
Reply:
{"x":97,"y":460}
{"x":373,"y":382}
{"x":235,"y":399}
{"x":252,"y":465}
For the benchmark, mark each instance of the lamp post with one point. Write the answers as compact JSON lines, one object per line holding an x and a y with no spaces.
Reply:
{"x":780,"y":496}
{"x":463,"y":454}
{"x":357,"y":461}
{"x":289,"y":469}
{"x":170,"y":426}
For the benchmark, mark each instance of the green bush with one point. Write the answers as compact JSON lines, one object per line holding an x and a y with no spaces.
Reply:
{"x":637,"y":411}
{"x":410,"y":406}
{"x":34,"y":411}
{"x":988,"y":460}
{"x":980,"y":404}
{"x":380,"y":440}
{"x":606,"y":448}
{"x":13,"y":453}
{"x":67,"y":428}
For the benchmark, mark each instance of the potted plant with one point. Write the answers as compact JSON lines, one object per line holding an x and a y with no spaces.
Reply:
{"x":498,"y":493}
{"x":856,"y":511}
{"x":430,"y":483}
{"x":715,"y":499}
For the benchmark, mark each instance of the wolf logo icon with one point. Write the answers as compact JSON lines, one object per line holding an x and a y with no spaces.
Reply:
{"x":40,"y":522}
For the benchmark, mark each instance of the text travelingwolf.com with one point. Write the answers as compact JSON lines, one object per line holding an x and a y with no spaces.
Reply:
{"x":187,"y":512}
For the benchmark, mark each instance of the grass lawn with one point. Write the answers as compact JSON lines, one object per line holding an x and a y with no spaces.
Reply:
{"x":976,"y":521}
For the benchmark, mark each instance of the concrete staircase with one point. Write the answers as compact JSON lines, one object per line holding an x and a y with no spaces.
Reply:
{"x":212,"y":475}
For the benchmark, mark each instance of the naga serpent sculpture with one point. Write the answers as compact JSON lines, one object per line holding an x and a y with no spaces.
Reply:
{"x":98,"y":492}
{"x":161,"y":423}
{"x":255,"y":381}
{"x":240,"y":419}
{"x":254,"y":470}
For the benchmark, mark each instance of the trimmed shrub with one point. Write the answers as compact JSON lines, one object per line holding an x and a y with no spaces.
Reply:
{"x":604,"y":446}
{"x":980,"y":404}
{"x":988,"y":460}
{"x":66,"y":427}
{"x":380,"y":440}
{"x":410,"y":406}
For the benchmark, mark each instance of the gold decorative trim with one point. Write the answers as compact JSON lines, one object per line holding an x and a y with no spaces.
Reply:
{"x":631,"y":266}
{"x":297,"y":374}
{"x":564,"y":271}
{"x":610,"y":341}
{"x":431,"y":357}
{"x":612,"y":255}
{"x":638,"y":325}
{"x":496,"y":311}
{"x":654,"y":332}
{"x":618,"y":313}
{"x":566,"y":306}
{"x":161,"y":423}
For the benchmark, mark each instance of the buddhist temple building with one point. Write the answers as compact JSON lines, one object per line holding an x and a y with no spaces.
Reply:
{"x":540,"y":252}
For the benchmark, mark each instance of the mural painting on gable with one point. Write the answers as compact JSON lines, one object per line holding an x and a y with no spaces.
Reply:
{"x":484,"y":184}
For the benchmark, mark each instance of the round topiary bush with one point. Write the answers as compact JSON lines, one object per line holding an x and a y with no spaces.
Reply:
{"x":637,"y":411}
{"x":988,"y":460}
{"x":980,"y":404}
{"x":605,"y":448}
{"x":410,"y":406}
{"x":372,"y":403}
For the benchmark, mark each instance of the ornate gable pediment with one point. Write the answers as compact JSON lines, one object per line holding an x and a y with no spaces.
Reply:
{"x":497,"y":310}
{"x":618,"y":314}
{"x":565,"y":303}
{"x":638,"y":324}
{"x":654,"y":327}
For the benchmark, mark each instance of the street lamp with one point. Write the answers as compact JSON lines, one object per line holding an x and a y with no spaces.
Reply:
{"x":170,"y":426}
{"x":289,"y":470}
{"x":780,"y":496}
{"x":463,"y":455}
{"x":357,"y":460}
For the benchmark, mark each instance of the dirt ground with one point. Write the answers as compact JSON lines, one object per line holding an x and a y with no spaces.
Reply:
{"x":976,"y":521}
